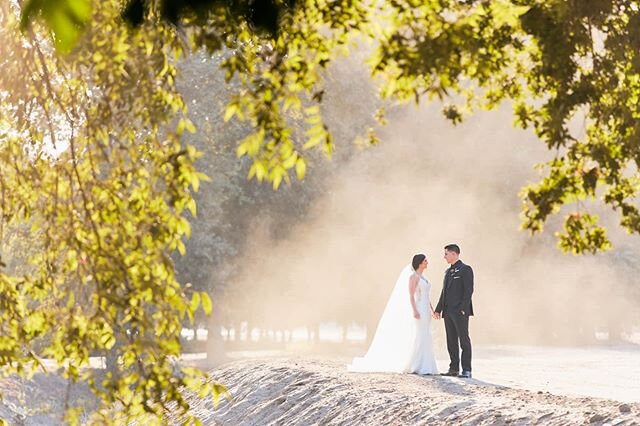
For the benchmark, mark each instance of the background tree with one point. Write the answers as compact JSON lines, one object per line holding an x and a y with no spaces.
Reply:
{"x":91,"y":155}
{"x":232,"y":210}
{"x":91,"y":160}
{"x":556,"y":61}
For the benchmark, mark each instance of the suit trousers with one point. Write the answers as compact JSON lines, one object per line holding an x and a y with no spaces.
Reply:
{"x":456,"y":326}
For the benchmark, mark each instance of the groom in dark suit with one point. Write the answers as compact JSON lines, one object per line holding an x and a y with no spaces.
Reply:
{"x":455,"y":307}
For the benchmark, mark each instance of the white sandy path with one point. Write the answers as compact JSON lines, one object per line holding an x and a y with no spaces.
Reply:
{"x":308,"y":391}
{"x":599,"y":371}
{"x":611,"y":372}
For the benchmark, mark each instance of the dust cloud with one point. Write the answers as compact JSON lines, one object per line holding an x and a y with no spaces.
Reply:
{"x":429,"y":183}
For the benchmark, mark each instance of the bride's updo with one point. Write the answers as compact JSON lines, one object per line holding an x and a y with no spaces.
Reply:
{"x":417,"y":260}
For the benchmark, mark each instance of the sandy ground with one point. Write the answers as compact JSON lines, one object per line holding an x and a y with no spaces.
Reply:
{"x":598,"y":371}
{"x":304,"y":391}
{"x":41,"y":400}
{"x":511,"y":385}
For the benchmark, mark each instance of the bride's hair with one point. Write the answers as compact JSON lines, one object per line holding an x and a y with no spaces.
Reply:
{"x":417,"y":260}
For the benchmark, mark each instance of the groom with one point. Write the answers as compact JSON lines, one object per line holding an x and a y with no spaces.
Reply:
{"x":455,"y":307}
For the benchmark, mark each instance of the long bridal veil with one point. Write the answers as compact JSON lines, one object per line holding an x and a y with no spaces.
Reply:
{"x":392,"y":345}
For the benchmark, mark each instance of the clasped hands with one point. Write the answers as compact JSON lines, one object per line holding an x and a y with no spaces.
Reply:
{"x":437,"y":315}
{"x":434,"y":315}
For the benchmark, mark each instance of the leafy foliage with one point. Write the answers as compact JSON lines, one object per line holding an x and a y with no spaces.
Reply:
{"x":91,"y":160}
{"x":92,"y":156}
{"x":558,"y":63}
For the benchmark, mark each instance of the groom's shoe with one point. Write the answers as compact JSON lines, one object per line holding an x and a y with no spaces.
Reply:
{"x":450,"y":373}
{"x":466,"y":374}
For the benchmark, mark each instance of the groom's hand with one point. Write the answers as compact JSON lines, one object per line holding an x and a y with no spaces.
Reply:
{"x":436,"y":315}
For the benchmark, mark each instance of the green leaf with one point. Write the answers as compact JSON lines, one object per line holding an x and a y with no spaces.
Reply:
{"x":506,"y":13}
{"x":207,"y":306}
{"x":277,"y":179}
{"x":191,"y":128}
{"x":301,"y":168}
{"x":65,"y":18}
{"x":181,"y":248}
{"x":195,"y":302}
{"x":314,"y":140}
{"x":230,"y":111}
{"x":191,"y":206}
{"x":107,"y":340}
{"x":242,"y":149}
{"x":72,"y":260}
{"x":185,"y":124}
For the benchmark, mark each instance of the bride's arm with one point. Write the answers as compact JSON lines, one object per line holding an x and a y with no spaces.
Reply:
{"x":413,"y":284}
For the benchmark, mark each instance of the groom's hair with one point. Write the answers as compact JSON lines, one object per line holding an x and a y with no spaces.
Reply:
{"x":453,"y":248}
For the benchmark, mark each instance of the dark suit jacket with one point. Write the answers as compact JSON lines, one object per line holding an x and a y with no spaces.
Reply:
{"x":457,"y":289}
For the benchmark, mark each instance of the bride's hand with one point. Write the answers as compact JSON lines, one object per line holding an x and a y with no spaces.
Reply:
{"x":416,"y":315}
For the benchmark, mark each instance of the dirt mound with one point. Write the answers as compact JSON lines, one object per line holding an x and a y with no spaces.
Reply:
{"x":318,"y":391}
{"x":296,"y":391}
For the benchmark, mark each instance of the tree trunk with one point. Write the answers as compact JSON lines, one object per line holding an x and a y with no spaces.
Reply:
{"x":215,"y":343}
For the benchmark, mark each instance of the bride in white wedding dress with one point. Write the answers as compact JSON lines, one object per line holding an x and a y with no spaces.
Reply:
{"x":402,"y":343}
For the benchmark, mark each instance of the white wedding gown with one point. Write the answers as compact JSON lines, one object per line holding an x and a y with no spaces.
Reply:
{"x":402,"y":344}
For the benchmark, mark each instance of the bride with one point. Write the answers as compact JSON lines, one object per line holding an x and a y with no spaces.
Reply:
{"x":402,"y":343}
